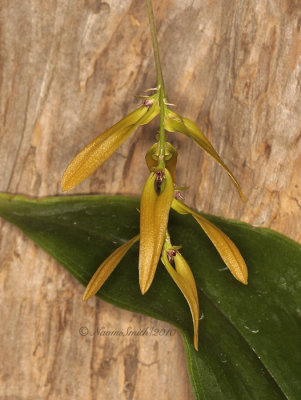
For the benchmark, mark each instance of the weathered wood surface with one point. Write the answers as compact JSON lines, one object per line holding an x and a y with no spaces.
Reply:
{"x":69,"y":69}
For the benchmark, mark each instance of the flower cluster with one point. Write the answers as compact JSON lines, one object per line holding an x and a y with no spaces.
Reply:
{"x":159,"y":195}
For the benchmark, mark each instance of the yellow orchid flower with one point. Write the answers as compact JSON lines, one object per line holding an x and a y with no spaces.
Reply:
{"x":155,"y":205}
{"x":159,"y":195}
{"x":184,"y":279}
{"x":223,"y":244}
{"x":107,"y":267}
{"x":156,"y":199}
{"x":175,"y":123}
{"x":103,"y":146}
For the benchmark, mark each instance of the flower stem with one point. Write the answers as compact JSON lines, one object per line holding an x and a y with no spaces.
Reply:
{"x":160,"y":83}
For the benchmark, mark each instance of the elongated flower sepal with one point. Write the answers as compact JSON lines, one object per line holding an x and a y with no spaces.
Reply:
{"x":155,"y":205}
{"x":223,"y":244}
{"x":103,"y":146}
{"x":107,"y":267}
{"x":184,"y":279}
{"x":175,"y":123}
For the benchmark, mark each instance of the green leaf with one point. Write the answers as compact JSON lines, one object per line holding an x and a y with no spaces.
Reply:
{"x":250,"y":339}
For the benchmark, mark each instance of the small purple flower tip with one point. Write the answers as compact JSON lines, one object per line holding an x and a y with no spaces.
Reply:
{"x":148,"y":102}
{"x":178,"y":195}
{"x":171,"y":254}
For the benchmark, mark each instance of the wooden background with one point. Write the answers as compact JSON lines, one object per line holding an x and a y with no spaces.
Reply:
{"x":70,"y":69}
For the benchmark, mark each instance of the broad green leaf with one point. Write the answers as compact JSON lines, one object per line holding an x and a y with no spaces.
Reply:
{"x":249,"y":336}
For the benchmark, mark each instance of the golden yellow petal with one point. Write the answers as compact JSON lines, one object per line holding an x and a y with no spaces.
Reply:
{"x":223,"y":244}
{"x":184,"y":270}
{"x":93,"y":156}
{"x":184,"y":279}
{"x":176,"y":123}
{"x":153,"y":111}
{"x":101,"y":148}
{"x":154,"y":212}
{"x":107,"y":267}
{"x":180,"y":207}
{"x":226,"y":248}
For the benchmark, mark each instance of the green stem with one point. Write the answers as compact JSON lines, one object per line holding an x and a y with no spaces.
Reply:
{"x":160,"y":82}
{"x":167,"y":239}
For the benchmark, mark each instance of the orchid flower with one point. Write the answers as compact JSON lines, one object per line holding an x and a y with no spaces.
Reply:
{"x":159,"y":195}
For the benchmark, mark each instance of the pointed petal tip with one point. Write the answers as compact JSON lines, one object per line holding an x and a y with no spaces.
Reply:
{"x":65,"y":185}
{"x":85,"y":296}
{"x":64,"y":188}
{"x":242,"y":196}
{"x":245,"y":282}
{"x":143,"y":290}
{"x":242,"y":274}
{"x":242,"y":278}
{"x":144,"y":286}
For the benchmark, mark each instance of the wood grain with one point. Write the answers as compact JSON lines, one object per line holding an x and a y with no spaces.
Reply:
{"x":70,"y":69}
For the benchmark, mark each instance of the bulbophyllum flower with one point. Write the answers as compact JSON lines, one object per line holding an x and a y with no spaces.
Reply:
{"x":107,"y":267}
{"x":155,"y":204}
{"x":159,"y":195}
{"x":156,"y":199}
{"x":223,"y":244}
{"x":175,"y":123}
{"x":183,"y":278}
{"x":103,"y":146}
